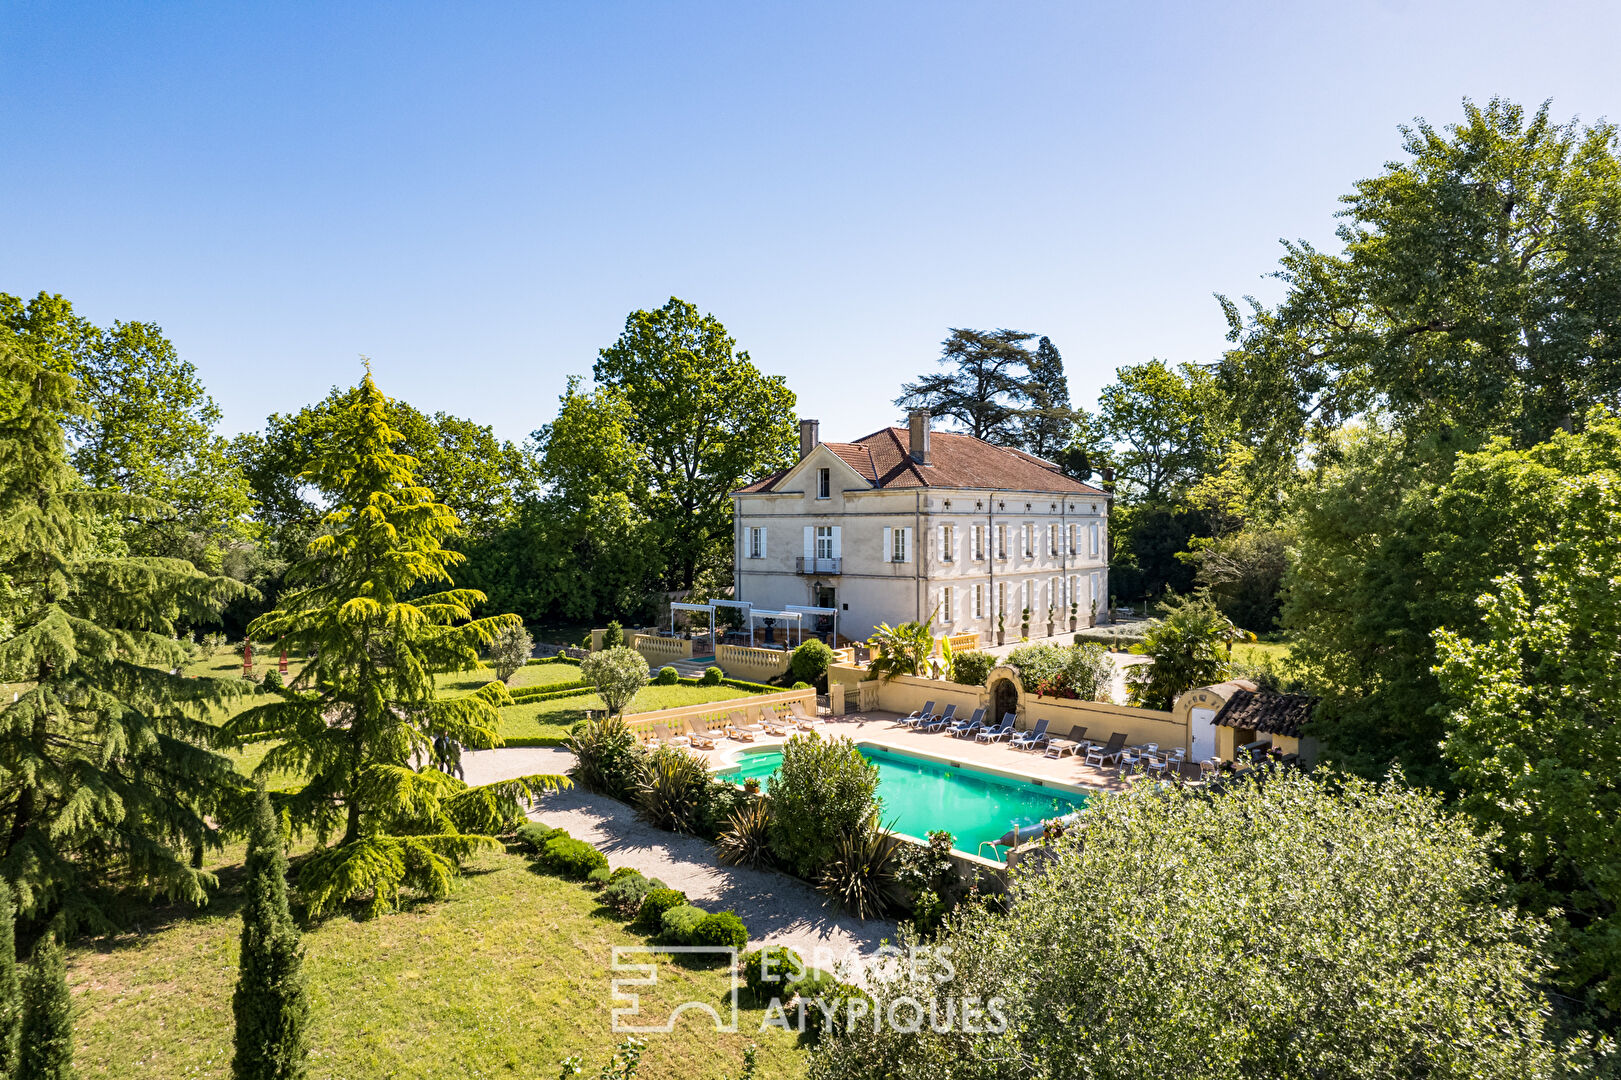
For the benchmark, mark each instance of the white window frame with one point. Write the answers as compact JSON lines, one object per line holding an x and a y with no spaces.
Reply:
{"x":945,"y":604}
{"x":897,"y":550}
{"x":1094,"y":550}
{"x":824,"y":483}
{"x":979,"y":600}
{"x":1025,"y":534}
{"x":978,"y":540}
{"x":1073,"y":545}
{"x":824,"y":542}
{"x":948,"y":541}
{"x":1001,"y":541}
{"x":1052,"y":539}
{"x":756,"y":542}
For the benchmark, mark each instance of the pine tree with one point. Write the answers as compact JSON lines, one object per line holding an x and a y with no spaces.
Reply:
{"x":11,"y":1005}
{"x":106,"y":779}
{"x":360,"y":722}
{"x":1047,"y":421}
{"x":983,"y":386}
{"x":270,"y":1002}
{"x":47,"y":1028}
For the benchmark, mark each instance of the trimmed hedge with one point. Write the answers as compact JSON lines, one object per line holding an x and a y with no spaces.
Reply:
{"x":553,"y":660}
{"x":651,"y":916}
{"x":677,"y":924}
{"x":553,"y":695}
{"x":525,"y":693}
{"x":571,"y":858}
{"x":721,"y":929}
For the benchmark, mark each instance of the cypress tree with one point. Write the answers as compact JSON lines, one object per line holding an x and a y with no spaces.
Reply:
{"x":106,"y":779}
{"x":47,"y":1029}
{"x":361,"y":720}
{"x":11,"y":1006}
{"x":270,"y":1002}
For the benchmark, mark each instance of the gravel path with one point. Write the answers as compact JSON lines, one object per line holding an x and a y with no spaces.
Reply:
{"x":778,"y":910}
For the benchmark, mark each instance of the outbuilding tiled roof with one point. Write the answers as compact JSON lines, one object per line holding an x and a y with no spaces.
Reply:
{"x":1266,"y":713}
{"x":958,"y":461}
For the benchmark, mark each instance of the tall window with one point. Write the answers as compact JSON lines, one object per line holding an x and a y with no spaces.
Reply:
{"x":1094,"y":540}
{"x":897,"y":551}
{"x":1074,"y":590}
{"x":824,"y":483}
{"x":948,"y":542}
{"x":756,"y":543}
{"x":824,"y":541}
{"x":1072,"y":548}
{"x":945,"y":604}
{"x":979,"y":601}
{"x":1001,"y":598}
{"x":1052,"y":539}
{"x":979,"y":541}
{"x":1001,"y":541}
{"x":1055,"y":593}
{"x":1024,"y":533}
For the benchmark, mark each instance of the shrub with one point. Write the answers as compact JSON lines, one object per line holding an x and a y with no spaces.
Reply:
{"x":613,"y":636}
{"x":773,"y":972}
{"x":624,"y":872}
{"x":650,"y":918}
{"x":721,"y":929}
{"x":678,"y":923}
{"x":721,"y":799}
{"x":1186,"y":644}
{"x":598,"y":877}
{"x":972,"y":668}
{"x":571,"y":858}
{"x":823,"y":788}
{"x":509,"y":651}
{"x":1064,"y":671}
{"x":809,"y":663}
{"x":668,"y":676}
{"x":617,"y":674}
{"x":802,"y":686}
{"x":532,"y":835}
{"x":711,"y":676}
{"x":608,"y":758}
{"x":672,"y":789}
{"x":272,"y":680}
{"x":625,"y":895}
{"x":747,"y":838}
{"x":863,"y":875}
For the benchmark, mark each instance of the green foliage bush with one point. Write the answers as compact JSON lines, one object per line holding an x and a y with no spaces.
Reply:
{"x":712,"y":676}
{"x":613,"y":635}
{"x":672,"y":791}
{"x":823,"y":788}
{"x":571,"y":858}
{"x":1187,"y":643}
{"x":531,"y":836}
{"x":597,"y":877}
{"x":1081,"y":671}
{"x":972,"y":668}
{"x":625,"y":895}
{"x":273,"y":680}
{"x":608,"y":758}
{"x":721,"y":929}
{"x":649,"y":919}
{"x":809,"y":663}
{"x":617,"y":674}
{"x":668,"y":676}
{"x":678,"y":923}
{"x":773,"y":972}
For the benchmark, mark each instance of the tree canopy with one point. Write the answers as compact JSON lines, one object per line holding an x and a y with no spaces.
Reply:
{"x":984,"y":386}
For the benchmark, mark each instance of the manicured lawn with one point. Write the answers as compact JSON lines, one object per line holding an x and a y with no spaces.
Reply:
{"x":465,"y":682}
{"x":1255,"y":652}
{"x":506,"y":978}
{"x":546,"y":723}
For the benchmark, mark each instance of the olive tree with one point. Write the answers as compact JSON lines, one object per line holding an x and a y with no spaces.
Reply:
{"x":510,"y":651}
{"x":617,"y":674}
{"x":1310,"y":927}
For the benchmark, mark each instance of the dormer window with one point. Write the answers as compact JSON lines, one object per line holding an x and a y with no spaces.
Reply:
{"x":824,"y":483}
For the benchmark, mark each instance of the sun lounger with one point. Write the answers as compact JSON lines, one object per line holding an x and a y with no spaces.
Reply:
{"x":662,"y":737}
{"x":1031,"y":739}
{"x":1102,"y":755}
{"x":1059,"y":747}
{"x":797,"y":716}
{"x":1004,"y":731}
{"x":922,"y":716}
{"x":964,"y":728}
{"x":775,"y":725}
{"x":699,"y":738}
{"x":940,"y":721}
{"x":738,"y":727}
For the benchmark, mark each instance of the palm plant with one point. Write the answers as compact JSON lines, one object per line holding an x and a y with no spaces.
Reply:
{"x":670,"y":794}
{"x":903,"y":649}
{"x":746,"y":841}
{"x":864,"y":876}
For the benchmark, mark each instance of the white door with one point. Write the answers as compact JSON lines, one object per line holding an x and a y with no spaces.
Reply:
{"x":1202,"y":733}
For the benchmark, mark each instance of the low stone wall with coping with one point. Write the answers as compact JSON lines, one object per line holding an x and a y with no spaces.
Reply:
{"x":658,"y":651}
{"x":712,"y":715}
{"x":751,"y":664}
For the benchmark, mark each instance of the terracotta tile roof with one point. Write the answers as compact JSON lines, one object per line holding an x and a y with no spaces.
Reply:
{"x":1267,"y":713}
{"x":960,"y":461}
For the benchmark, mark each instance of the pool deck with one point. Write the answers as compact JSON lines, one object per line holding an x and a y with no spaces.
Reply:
{"x":880,"y":729}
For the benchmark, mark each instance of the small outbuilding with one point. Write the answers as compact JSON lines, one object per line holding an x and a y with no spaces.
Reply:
{"x":1252,"y":716}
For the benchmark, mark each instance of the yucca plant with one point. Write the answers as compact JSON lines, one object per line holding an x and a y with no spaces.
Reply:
{"x":670,"y":794}
{"x":864,"y":876}
{"x":903,"y":649}
{"x":608,"y":758}
{"x":747,"y":839}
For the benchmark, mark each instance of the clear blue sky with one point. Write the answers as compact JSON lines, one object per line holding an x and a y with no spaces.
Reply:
{"x":476,"y":194}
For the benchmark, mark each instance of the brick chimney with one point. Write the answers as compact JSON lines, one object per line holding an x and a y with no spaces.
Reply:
{"x":809,"y":436}
{"x":1108,"y":479}
{"x":918,"y":424}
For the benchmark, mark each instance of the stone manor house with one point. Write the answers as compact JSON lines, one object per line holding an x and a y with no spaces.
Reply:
{"x":906,"y":522}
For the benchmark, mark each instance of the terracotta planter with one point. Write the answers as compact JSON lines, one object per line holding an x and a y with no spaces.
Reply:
{"x":1073,"y":623}
{"x":1049,"y":629}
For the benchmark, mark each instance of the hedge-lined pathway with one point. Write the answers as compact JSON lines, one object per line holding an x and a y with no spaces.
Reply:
{"x":778,"y":910}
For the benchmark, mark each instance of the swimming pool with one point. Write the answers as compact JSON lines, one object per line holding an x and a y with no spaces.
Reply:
{"x":920,"y":795}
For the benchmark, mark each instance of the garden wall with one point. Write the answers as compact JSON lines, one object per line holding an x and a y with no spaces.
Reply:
{"x":1101,"y":720}
{"x":750,"y":664}
{"x":659,"y":651}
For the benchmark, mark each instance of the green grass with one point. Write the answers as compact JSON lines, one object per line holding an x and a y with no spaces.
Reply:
{"x":465,"y":682}
{"x":1255,"y":652}
{"x":506,"y":978}
{"x":546,"y":723}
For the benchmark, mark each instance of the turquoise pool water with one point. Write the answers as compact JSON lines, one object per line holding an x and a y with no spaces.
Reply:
{"x":920,"y":795}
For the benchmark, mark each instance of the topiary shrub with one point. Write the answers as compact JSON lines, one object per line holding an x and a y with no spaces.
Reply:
{"x":617,"y":673}
{"x":802,"y":686}
{"x":678,"y":923}
{"x":721,"y":929}
{"x":571,"y":858}
{"x":273,"y":680}
{"x":625,"y":896}
{"x":809,"y":663}
{"x":773,"y":972}
{"x":531,"y":836}
{"x":649,"y":919}
{"x":613,"y":635}
{"x":711,"y":676}
{"x":668,"y":676}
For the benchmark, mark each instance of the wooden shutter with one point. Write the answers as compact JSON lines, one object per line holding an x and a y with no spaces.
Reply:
{"x":889,"y":544}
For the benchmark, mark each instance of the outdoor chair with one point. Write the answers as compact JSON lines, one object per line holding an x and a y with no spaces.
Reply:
{"x":797,"y":717}
{"x":1031,"y":739}
{"x":940,"y":721}
{"x":1057,"y":748}
{"x":662,"y":737}
{"x":738,"y":727}
{"x":774,"y":724}
{"x":699,"y":738}
{"x":964,"y":728}
{"x":997,"y":733}
{"x":1189,"y":772}
{"x":1100,"y":756}
{"x":922,"y":716}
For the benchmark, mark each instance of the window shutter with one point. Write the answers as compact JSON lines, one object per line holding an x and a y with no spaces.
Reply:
{"x":906,"y":545}
{"x":838,"y":542}
{"x":762,"y":541}
{"x":941,"y":530}
{"x":889,"y":544}
{"x":810,"y":541}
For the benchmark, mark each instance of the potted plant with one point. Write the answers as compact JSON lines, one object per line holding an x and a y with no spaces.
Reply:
{"x":1092,"y":620}
{"x":1001,"y":627}
{"x":1074,"y":616}
{"x":1024,"y":626}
